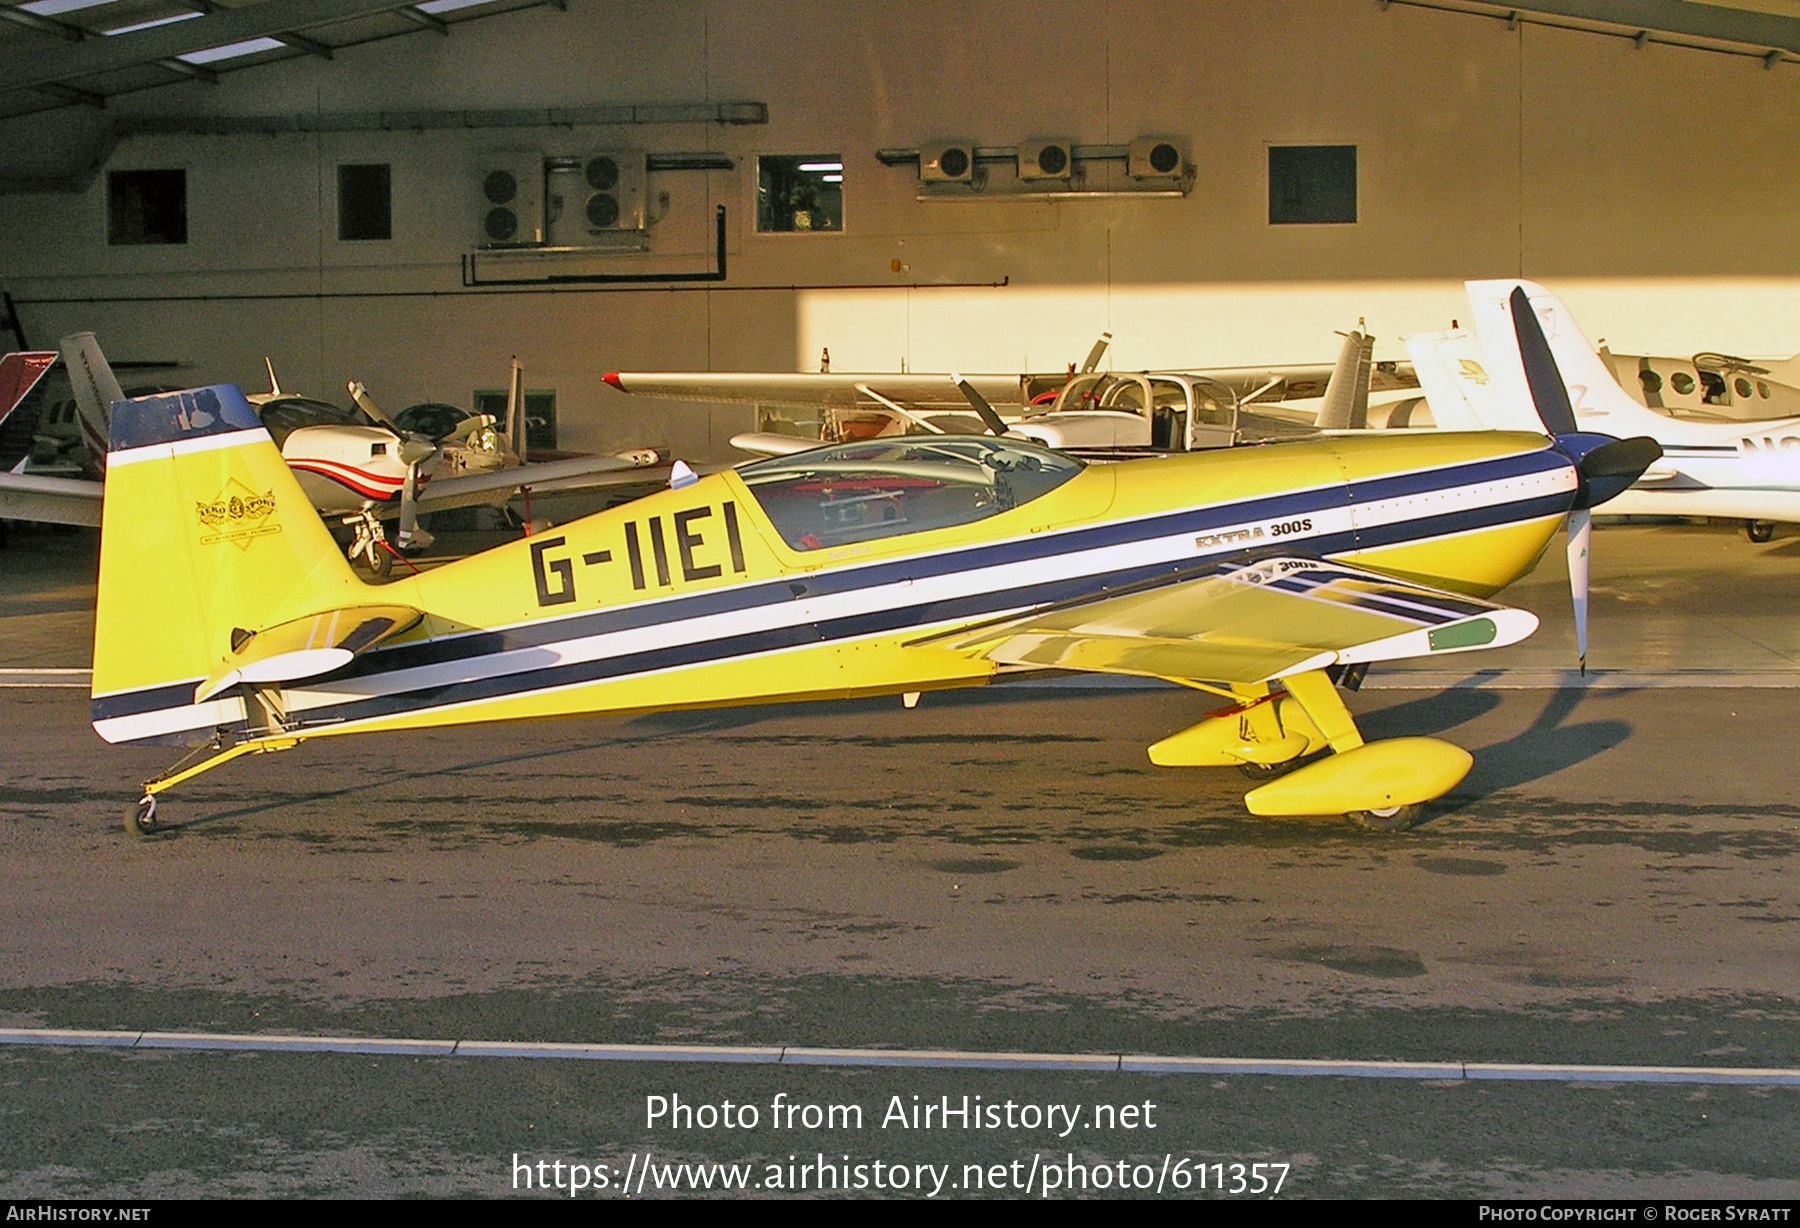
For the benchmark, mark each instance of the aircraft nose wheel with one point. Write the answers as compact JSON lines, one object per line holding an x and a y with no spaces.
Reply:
{"x":1392,"y":818}
{"x":1759,"y":530}
{"x":141,"y":818}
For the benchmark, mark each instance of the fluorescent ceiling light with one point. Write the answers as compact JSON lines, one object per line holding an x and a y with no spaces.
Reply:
{"x":50,"y":8}
{"x":145,"y":25}
{"x":231,"y":51}
{"x":821,"y":166}
{"x":831,"y":179}
{"x":448,"y":6}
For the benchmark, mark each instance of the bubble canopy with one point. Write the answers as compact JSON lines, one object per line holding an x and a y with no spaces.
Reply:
{"x":900,"y":484}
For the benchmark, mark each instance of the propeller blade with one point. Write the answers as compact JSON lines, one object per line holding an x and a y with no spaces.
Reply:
{"x":990,"y":419}
{"x":1095,"y":354}
{"x":1548,"y":393}
{"x":1581,"y":531}
{"x":360,"y":394}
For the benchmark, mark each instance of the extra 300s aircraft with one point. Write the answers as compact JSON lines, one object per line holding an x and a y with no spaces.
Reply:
{"x":1265,"y":576}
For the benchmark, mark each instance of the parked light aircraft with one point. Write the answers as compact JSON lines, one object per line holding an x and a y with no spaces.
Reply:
{"x":1086,"y":409}
{"x":355,"y":468}
{"x":887,"y":566}
{"x":1722,"y":457}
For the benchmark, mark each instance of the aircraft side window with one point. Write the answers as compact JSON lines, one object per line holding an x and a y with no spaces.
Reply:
{"x":889,"y":487}
{"x":1762,"y":390}
{"x":1651,"y":381}
{"x":1742,"y":386}
{"x":1126,"y":396}
{"x":1682,"y":383}
{"x":1714,"y":384}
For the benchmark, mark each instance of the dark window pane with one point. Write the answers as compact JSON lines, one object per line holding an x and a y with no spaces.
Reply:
{"x":365,"y":202}
{"x":146,"y":207}
{"x":800,"y":192}
{"x":540,"y":414}
{"x":1311,"y":184}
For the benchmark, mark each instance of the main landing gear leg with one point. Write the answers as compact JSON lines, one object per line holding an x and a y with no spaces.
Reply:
{"x":1308,"y":740}
{"x":142,"y":819}
{"x":1381,"y":786}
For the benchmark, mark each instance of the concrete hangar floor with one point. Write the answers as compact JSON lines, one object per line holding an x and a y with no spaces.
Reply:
{"x":1617,"y":884}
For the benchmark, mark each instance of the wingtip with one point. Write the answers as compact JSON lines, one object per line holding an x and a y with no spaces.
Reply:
{"x":612,"y":377}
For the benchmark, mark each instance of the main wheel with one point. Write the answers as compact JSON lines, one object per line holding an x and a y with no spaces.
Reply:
{"x":1267,"y":771}
{"x":1392,"y":818}
{"x":141,"y":818}
{"x":1759,"y":530}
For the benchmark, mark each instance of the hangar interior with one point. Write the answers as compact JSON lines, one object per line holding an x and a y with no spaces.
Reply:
{"x":309,"y":180}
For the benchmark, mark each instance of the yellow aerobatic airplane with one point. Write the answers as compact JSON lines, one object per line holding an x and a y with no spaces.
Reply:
{"x":228,"y":622}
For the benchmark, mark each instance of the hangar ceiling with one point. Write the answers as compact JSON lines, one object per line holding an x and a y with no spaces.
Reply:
{"x":56,"y":53}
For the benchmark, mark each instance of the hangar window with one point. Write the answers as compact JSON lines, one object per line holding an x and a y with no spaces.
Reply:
{"x":365,"y":202}
{"x":1312,"y":184}
{"x":146,"y":207}
{"x":799,"y":193}
{"x":540,"y":415}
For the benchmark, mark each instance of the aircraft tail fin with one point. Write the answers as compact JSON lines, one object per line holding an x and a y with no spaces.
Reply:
{"x":515,"y":410}
{"x":206,"y":540}
{"x":1346,"y":403}
{"x":1595,"y":398}
{"x":1453,"y":374}
{"x":95,"y":387}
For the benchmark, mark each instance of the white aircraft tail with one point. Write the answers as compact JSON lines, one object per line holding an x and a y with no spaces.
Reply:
{"x":1453,"y":374}
{"x":1345,"y":406}
{"x":91,"y":378}
{"x":1600,"y":404}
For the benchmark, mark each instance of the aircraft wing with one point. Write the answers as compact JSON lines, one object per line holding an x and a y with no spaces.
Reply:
{"x":918,"y":390}
{"x":25,"y":496}
{"x":1245,"y":624}
{"x":577,"y":473}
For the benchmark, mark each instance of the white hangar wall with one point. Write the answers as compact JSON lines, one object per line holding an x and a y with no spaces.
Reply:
{"x":1650,"y":186}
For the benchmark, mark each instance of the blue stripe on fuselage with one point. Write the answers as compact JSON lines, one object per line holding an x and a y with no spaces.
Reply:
{"x":391,"y":662}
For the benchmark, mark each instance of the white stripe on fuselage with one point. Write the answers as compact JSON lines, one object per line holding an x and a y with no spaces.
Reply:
{"x":1181,"y":548}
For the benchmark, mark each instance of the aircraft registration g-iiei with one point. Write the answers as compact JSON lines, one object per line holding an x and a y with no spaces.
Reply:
{"x":1265,"y":576}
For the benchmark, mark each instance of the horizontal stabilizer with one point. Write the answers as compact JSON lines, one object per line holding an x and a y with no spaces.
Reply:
{"x":306,"y":647}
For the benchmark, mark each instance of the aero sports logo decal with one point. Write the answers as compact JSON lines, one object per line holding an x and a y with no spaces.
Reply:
{"x":237,"y":515}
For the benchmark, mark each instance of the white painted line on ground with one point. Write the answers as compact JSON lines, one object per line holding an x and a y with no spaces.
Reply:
{"x":74,"y":678}
{"x":1568,"y":679}
{"x":939,"y":1059}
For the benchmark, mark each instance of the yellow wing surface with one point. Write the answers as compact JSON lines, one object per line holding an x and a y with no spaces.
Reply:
{"x":1246,"y":624}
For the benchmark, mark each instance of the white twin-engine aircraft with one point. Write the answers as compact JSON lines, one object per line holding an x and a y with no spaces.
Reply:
{"x":1717,"y":460}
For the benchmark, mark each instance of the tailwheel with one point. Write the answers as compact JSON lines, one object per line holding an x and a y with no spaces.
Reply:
{"x":1389,"y":818}
{"x":141,"y":818}
{"x":1759,"y":531}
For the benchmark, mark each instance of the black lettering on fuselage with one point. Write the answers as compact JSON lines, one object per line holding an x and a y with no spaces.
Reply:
{"x":659,"y":551}
{"x":634,"y":554}
{"x":687,"y":539}
{"x":562,"y":569}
